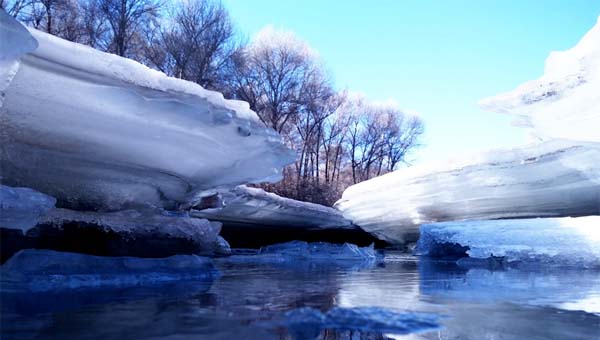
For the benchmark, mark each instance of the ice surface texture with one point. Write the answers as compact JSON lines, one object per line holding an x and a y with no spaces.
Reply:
{"x":307,"y":323}
{"x":565,"y":101}
{"x":16,"y":42}
{"x":570,"y":242}
{"x":555,"y":178}
{"x":256,"y":207}
{"x":148,"y":233}
{"x":101,"y":132}
{"x":21,"y":208}
{"x":299,"y":255}
{"x":44,"y":270}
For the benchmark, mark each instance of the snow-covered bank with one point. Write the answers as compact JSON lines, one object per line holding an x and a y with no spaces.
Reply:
{"x":552,"y":179}
{"x":559,"y":176}
{"x":101,"y":132}
{"x":569,"y":242}
{"x":253,"y":206}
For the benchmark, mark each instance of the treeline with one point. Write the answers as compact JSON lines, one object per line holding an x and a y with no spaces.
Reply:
{"x":340,"y":138}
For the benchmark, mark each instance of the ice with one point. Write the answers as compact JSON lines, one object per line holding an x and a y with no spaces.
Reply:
{"x":552,"y":179}
{"x":559,"y":176}
{"x":300,"y":255}
{"x":21,"y":208}
{"x":47,"y":270}
{"x":16,"y":42}
{"x":253,"y":206}
{"x":565,"y":242}
{"x":101,"y":132}
{"x":307,"y":323}
{"x":142,"y":233}
{"x":564,"y":102}
{"x":298,"y":250}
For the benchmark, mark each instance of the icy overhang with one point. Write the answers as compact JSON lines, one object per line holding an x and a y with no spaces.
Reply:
{"x":102,"y":132}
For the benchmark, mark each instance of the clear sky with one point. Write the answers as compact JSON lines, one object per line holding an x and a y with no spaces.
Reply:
{"x":438,"y":57}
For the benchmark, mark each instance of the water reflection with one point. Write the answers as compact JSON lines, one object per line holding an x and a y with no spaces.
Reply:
{"x":251,"y":297}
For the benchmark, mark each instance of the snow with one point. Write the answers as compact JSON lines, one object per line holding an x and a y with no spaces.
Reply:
{"x":101,"y":132}
{"x":47,"y":270}
{"x":254,"y":206}
{"x":21,"y":208}
{"x":16,"y":42}
{"x":551,"y":179}
{"x":565,"y":101}
{"x":569,"y":242}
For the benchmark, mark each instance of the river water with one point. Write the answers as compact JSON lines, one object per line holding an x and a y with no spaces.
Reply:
{"x":399,"y":297}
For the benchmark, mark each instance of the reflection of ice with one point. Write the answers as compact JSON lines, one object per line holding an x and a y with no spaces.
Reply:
{"x":299,"y":255}
{"x":561,"y":289}
{"x":42,"y":281}
{"x":307,"y":323}
{"x":46,"y":270}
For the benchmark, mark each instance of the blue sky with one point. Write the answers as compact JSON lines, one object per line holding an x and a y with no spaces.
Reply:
{"x":436,"y":57}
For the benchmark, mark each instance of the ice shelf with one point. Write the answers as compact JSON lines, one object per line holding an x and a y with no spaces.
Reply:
{"x":552,"y":179}
{"x":101,"y":132}
{"x":568,"y":242}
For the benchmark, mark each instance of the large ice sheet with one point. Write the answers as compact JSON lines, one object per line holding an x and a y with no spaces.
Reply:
{"x":45,"y":270}
{"x":21,"y":208}
{"x":149,"y":233}
{"x":256,"y":207}
{"x":98,"y":131}
{"x":564,"y":102}
{"x":552,"y":179}
{"x":569,"y":242}
{"x":16,"y":42}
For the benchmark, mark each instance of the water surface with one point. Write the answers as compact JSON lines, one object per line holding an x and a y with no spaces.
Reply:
{"x":254,"y":298}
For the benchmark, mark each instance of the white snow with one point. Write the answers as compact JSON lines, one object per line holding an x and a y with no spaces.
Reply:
{"x":257,"y":207}
{"x":22,"y":208}
{"x":98,"y":131}
{"x":565,"y":101}
{"x":567,"y":241}
{"x":551,"y":179}
{"x":15,"y":43}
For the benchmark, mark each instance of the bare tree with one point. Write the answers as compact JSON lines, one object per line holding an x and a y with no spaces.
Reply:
{"x":271,"y":73}
{"x":126,"y":20}
{"x":15,"y":7}
{"x":197,"y":43}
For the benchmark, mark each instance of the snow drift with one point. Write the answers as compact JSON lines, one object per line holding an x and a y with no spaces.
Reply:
{"x":101,"y":132}
{"x":558,"y":177}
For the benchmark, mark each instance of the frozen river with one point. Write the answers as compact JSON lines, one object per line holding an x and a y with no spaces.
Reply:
{"x":257,"y":297}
